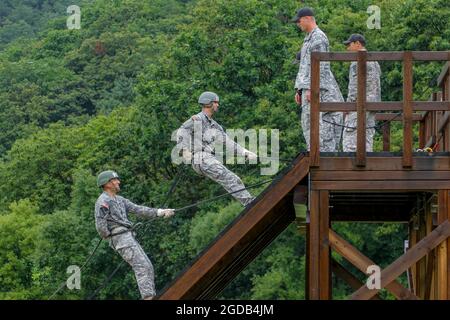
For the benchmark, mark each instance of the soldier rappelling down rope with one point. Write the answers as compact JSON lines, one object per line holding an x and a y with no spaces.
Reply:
{"x":199,"y":135}
{"x":111,"y":221}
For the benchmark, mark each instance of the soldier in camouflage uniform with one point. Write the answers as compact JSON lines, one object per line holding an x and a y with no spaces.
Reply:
{"x":357,"y":42}
{"x":111,"y":222}
{"x":330,"y":122}
{"x":199,"y":136}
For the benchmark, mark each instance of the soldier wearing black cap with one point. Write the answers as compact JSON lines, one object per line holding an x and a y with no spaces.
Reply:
{"x":330,"y":122}
{"x":357,"y":42}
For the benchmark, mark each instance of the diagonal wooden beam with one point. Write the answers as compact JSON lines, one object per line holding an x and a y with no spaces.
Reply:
{"x":348,"y":277}
{"x":360,"y":261}
{"x":395,"y":269}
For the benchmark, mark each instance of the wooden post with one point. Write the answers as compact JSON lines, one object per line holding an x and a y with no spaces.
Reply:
{"x":314,"y":229}
{"x":387,"y":137}
{"x":314,"y":138}
{"x":443,"y":254}
{"x":407,"y":109}
{"x":307,"y":262}
{"x":429,"y":276}
{"x":361,"y":110}
{"x":422,"y":262}
{"x":430,"y":259}
{"x":422,"y":134}
{"x":324,"y":247}
{"x":412,"y":242}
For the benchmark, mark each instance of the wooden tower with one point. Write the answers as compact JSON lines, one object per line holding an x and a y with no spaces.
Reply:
{"x":408,"y":187}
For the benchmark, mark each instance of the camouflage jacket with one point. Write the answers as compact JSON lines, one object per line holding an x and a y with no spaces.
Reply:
{"x":111,"y":213}
{"x":373,"y":85}
{"x":315,"y":41}
{"x":203,"y":134}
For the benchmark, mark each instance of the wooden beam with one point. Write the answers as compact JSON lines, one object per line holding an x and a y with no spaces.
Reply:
{"x":317,"y":175}
{"x":386,"y":106}
{"x":361,"y":110}
{"x":348,"y":277}
{"x":420,"y":163}
{"x":385,"y":56}
{"x":360,"y":261}
{"x":314,"y":240}
{"x":314,"y":111}
{"x":422,"y":134}
{"x":443,"y":254}
{"x":407,"y":109}
{"x":443,"y":122}
{"x":412,"y":242}
{"x":429,"y":275}
{"x":444,"y":73}
{"x":324,"y":248}
{"x":381,"y":185}
{"x":389,"y":117}
{"x":394,"y":270}
{"x":307,"y":263}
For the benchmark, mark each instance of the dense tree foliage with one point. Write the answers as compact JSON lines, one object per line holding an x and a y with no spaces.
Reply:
{"x":109,"y":95}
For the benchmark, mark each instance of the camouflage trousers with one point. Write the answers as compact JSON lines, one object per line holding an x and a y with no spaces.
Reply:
{"x":330,"y":123}
{"x":212,"y":168}
{"x":131,"y":251}
{"x":349,"y":135}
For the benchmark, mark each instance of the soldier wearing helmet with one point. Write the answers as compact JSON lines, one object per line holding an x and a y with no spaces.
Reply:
{"x":199,"y":135}
{"x":111,"y":222}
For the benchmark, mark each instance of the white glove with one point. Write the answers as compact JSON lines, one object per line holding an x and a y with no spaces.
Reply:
{"x":250,"y":155}
{"x":166,"y":213}
{"x":187,"y":155}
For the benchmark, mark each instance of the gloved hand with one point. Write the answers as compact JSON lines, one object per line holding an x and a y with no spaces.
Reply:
{"x":298,"y":97}
{"x":187,"y":155}
{"x":166,"y":213}
{"x":250,"y":155}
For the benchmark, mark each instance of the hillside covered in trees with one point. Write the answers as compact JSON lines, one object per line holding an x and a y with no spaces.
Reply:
{"x":110,"y":94}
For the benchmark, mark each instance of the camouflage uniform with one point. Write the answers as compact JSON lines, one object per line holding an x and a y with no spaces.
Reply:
{"x":111,"y":217}
{"x":200,"y":136}
{"x":330,"y":134}
{"x":373,"y":94}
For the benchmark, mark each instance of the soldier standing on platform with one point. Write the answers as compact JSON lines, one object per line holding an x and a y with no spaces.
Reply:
{"x":357,"y":42}
{"x":330,"y":122}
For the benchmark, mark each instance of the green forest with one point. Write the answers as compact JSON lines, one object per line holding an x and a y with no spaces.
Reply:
{"x":74,"y":102}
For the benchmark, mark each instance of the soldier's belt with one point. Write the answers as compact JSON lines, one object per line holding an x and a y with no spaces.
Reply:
{"x":119,"y":230}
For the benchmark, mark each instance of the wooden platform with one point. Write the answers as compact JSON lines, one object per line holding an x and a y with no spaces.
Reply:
{"x":408,"y":187}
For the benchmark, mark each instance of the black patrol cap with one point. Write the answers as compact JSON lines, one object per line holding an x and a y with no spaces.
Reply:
{"x":355,"y":37}
{"x":303,"y":12}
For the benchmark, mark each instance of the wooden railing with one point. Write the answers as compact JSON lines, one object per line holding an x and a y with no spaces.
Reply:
{"x":408,"y":107}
